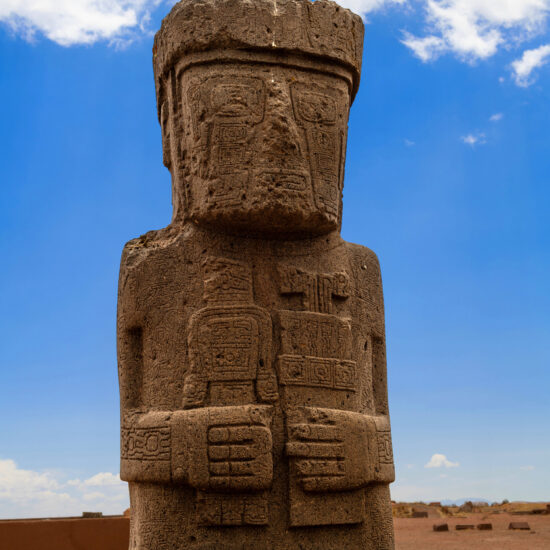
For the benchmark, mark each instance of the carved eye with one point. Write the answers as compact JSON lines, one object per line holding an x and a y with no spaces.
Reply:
{"x":314,"y":107}
{"x":234,"y":100}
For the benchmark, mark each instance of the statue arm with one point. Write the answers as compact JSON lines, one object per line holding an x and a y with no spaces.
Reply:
{"x":216,"y":448}
{"x":337,"y":450}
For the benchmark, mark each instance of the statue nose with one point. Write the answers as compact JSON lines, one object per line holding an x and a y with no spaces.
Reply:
{"x":282,"y":142}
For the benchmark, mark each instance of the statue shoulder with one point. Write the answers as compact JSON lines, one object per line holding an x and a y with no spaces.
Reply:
{"x":152,"y":247}
{"x":152,"y":256}
{"x":363,"y":260}
{"x":367,"y":284}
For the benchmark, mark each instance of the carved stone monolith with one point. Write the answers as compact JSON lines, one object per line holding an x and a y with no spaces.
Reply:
{"x":251,"y":337}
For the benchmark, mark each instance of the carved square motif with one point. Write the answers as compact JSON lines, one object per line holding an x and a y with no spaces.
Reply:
{"x":315,"y":107}
{"x":320,"y":372}
{"x":345,"y":375}
{"x":237,"y":99}
{"x":256,"y":511}
{"x":232,"y":511}
{"x":230,"y":348}
{"x":231,"y":155}
{"x":233,"y":133}
{"x":295,"y":371}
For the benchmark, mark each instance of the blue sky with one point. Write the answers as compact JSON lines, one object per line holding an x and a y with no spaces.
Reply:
{"x":447,"y":180}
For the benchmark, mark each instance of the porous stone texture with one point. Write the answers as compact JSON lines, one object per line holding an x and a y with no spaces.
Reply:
{"x":251,"y":337}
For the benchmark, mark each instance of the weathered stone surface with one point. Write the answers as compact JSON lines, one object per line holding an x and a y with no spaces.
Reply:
{"x":464,"y":527}
{"x":251,"y":337}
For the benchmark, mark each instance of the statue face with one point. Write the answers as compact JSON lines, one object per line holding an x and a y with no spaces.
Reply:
{"x":263,"y":147}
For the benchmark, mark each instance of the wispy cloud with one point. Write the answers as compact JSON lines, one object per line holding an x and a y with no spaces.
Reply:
{"x":441,"y":461}
{"x":72,"y":22}
{"x":364,"y":7}
{"x":28,"y":493}
{"x":476,"y":29}
{"x":531,"y":60}
{"x":474,"y":139}
{"x":496,"y":117}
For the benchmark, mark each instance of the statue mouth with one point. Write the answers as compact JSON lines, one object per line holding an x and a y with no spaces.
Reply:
{"x":288,"y":180}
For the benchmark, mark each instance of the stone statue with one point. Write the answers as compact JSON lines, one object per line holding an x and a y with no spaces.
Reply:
{"x":251,"y":337}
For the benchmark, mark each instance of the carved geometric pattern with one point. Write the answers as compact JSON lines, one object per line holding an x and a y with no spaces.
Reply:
{"x":227,"y":280}
{"x":337,"y":374}
{"x":315,"y":107}
{"x":229,"y":347}
{"x":288,"y":180}
{"x":229,"y":341}
{"x":314,"y":335}
{"x":318,"y":115}
{"x":317,"y":290}
{"x":226,"y":510}
{"x":385,"y":452}
{"x":145,"y":443}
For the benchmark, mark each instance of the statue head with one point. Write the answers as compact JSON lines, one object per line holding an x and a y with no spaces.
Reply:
{"x":253,"y":100}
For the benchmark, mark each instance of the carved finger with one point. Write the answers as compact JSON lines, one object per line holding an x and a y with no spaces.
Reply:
{"x":232,"y":452}
{"x":219,"y":452}
{"x":232,"y":483}
{"x":315,"y":450}
{"x":315,"y":432}
{"x":240,"y":482}
{"x":245,"y":468}
{"x":325,"y":483}
{"x":320,"y":467}
{"x":219,"y":468}
{"x":232,"y":434}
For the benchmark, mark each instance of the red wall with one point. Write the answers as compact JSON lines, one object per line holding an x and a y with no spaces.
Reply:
{"x":109,"y":533}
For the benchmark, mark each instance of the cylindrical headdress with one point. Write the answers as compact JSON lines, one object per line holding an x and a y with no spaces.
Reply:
{"x":321,"y":29}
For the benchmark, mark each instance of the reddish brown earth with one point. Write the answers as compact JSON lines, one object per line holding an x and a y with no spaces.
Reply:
{"x":418,"y":534}
{"x":107,"y":533}
{"x":111,"y":533}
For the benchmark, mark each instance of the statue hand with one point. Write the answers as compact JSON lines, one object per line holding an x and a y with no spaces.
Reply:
{"x":224,"y":448}
{"x":332,"y":450}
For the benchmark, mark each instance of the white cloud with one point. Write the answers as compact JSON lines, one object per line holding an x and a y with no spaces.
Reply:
{"x":476,"y":29}
{"x":409,"y":143}
{"x":469,"y":29}
{"x":70,"y":22}
{"x":496,"y":117}
{"x":441,"y":461}
{"x":103,"y":479}
{"x":532,"y":59}
{"x":27,"y":493}
{"x":364,"y":7}
{"x":427,"y":48}
{"x":473,"y":140}
{"x":12,"y":480}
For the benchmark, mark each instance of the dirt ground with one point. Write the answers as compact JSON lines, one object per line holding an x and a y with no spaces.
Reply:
{"x":418,"y":534}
